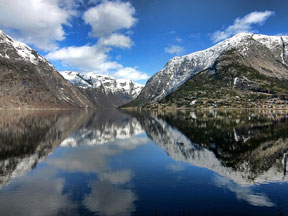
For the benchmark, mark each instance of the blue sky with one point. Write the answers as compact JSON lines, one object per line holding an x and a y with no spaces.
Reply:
{"x":133,"y":39}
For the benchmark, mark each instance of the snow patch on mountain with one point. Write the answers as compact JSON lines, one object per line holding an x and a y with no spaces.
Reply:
{"x":24,"y":52}
{"x":180,"y":69}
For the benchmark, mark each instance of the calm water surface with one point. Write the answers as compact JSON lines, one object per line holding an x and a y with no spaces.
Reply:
{"x":110,"y":163}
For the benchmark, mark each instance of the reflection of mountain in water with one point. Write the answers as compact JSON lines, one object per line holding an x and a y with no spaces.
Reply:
{"x":246,"y":147}
{"x":27,"y":138}
{"x":104,"y":127}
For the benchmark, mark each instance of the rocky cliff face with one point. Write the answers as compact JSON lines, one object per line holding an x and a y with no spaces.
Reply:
{"x":103,"y":90}
{"x":244,"y":63}
{"x":27,"y":80}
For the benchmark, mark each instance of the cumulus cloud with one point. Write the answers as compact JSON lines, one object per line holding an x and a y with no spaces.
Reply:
{"x":244,"y":24}
{"x":40,"y":23}
{"x":86,"y":58}
{"x":95,"y":58}
{"x":36,"y":22}
{"x":116,"y":40}
{"x":174,"y":49}
{"x":109,"y":17}
{"x":130,"y":73}
{"x":106,"y":19}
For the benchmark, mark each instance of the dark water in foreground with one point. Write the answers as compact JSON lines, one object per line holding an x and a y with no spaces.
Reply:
{"x":110,"y":163}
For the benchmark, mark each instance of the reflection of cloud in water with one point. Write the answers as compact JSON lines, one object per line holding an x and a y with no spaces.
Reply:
{"x":110,"y":200}
{"x":132,"y":143}
{"x":94,"y":159}
{"x":42,"y":192}
{"x":85,"y":159}
{"x":118,"y":177}
{"x":106,"y":198}
{"x":39,"y":194}
{"x":175,"y":167}
{"x":105,"y":134}
{"x":244,"y":192}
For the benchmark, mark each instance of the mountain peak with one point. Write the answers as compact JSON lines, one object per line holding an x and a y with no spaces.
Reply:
{"x":179,"y":69}
{"x":29,"y":81}
{"x":119,"y":91}
{"x":17,"y":50}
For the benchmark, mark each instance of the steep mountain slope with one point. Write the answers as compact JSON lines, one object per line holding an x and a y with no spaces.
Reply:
{"x":245,"y":62}
{"x":104,"y":90}
{"x":27,"y":80}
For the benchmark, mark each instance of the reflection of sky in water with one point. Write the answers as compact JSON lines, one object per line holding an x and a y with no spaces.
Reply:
{"x":128,"y":174}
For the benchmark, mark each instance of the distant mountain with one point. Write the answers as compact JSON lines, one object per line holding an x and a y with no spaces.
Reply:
{"x":27,"y":80}
{"x":243,"y":71}
{"x":104,"y":90}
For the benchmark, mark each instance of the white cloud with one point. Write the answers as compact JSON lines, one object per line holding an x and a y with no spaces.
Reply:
{"x":109,"y":17}
{"x":174,"y":49}
{"x":242,"y":25}
{"x":130,"y":73}
{"x":95,"y":58}
{"x":105,"y":19}
{"x":116,"y":40}
{"x":86,"y":58}
{"x":38,"y":22}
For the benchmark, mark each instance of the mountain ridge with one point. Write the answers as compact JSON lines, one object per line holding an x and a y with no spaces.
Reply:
{"x":28,"y":80}
{"x":270,"y":59}
{"x":116,"y":91}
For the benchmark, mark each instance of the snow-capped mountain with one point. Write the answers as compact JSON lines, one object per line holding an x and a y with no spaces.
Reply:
{"x":272,"y":61}
{"x":27,"y":80}
{"x":118,"y":91}
{"x":16,"y":50}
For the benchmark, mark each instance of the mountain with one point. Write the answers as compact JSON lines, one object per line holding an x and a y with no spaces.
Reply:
{"x":28,"y":80}
{"x":243,"y":71}
{"x":104,"y":90}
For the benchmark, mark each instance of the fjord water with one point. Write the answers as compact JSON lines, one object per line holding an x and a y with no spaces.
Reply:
{"x":113,"y":163}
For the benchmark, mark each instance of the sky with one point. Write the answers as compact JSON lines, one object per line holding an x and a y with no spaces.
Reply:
{"x":133,"y":39}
